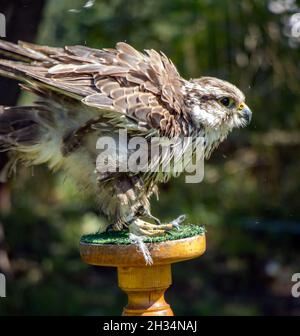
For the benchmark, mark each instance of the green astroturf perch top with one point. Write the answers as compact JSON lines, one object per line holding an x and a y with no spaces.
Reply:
{"x":122,"y":237}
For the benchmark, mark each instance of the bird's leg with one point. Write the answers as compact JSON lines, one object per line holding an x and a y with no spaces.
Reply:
{"x":140,"y":227}
{"x":149,"y":215}
{"x":173,"y":224}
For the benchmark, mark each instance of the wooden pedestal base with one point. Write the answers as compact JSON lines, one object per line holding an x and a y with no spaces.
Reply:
{"x":144,"y":285}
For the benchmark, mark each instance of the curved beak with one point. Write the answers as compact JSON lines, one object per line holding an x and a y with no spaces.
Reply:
{"x":245,"y":112}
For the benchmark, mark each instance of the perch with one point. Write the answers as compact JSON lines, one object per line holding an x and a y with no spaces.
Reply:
{"x":144,"y":285}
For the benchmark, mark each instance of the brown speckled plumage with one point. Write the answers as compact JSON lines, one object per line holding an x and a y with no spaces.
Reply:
{"x":84,"y":93}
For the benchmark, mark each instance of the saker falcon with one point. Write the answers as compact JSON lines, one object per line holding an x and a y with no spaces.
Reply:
{"x":84,"y":93}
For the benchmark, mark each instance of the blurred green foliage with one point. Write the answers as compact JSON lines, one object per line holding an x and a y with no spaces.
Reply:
{"x":248,"y":201}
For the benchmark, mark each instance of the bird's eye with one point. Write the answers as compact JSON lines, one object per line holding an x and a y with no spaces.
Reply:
{"x":226,"y":101}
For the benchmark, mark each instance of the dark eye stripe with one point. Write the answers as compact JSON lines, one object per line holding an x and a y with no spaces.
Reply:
{"x":208,"y":97}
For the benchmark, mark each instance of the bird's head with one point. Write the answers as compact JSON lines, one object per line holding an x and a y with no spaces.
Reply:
{"x":217,"y":104}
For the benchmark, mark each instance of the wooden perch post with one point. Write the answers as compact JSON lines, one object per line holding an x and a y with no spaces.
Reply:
{"x":144,"y":285}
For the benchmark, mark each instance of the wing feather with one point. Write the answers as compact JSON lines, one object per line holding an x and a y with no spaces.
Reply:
{"x":145,"y":86}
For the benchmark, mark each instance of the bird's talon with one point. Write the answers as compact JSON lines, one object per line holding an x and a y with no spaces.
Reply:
{"x":181,"y":218}
{"x":176,"y":222}
{"x":177,"y":226}
{"x":142,"y":228}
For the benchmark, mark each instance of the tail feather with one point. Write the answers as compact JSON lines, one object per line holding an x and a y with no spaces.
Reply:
{"x":19,"y":126}
{"x":8,"y":168}
{"x":24,"y":133}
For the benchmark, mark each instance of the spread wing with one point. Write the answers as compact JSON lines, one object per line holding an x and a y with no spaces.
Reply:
{"x":146,"y":87}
